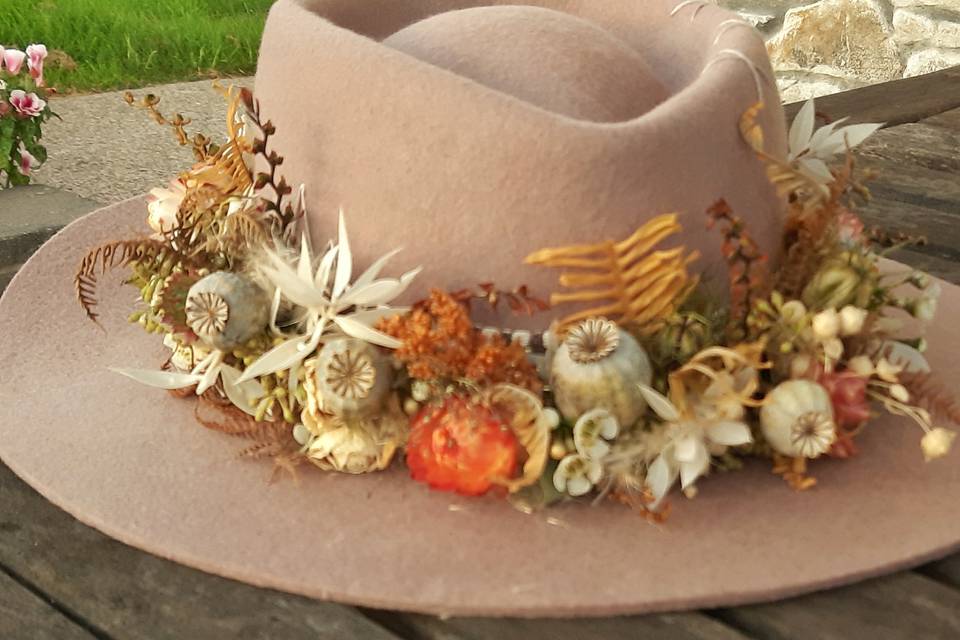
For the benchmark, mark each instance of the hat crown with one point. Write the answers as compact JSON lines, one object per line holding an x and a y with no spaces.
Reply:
{"x":554,"y":60}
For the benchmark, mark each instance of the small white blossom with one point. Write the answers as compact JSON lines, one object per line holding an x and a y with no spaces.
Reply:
{"x":833,"y":348}
{"x":852,"y":320}
{"x":576,"y":475}
{"x":826,"y":324}
{"x":793,"y":311}
{"x":899,"y":392}
{"x":936,"y":443}
{"x":861,"y":365}
{"x":925,"y":307}
{"x":888,"y":371}
{"x":592,"y":431}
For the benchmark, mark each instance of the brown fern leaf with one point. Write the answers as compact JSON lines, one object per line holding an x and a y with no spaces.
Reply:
{"x":109,"y":256}
{"x":216,"y":413}
{"x":927,"y":392}
{"x":267,"y":439}
{"x":243,"y":230}
{"x":630,"y":282}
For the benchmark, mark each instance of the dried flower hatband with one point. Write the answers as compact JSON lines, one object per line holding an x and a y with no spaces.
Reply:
{"x":651,"y":384}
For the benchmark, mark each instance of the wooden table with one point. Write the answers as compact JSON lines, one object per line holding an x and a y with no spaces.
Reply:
{"x":62,"y":580}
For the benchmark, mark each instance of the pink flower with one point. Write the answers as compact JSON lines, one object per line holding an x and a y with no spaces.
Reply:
{"x":27,"y":104}
{"x":163,"y":206}
{"x":849,"y":229}
{"x":848,"y":392}
{"x":13,"y":58}
{"x":36,"y":54}
{"x":27,"y":162}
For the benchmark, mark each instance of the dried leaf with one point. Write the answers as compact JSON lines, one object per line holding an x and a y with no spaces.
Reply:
{"x":659,"y":403}
{"x":361,"y":331}
{"x":168,"y":380}
{"x":281,"y":357}
{"x":524,"y":413}
{"x":243,"y":395}
{"x":374,"y":270}
{"x":344,"y":261}
{"x":632,"y":283}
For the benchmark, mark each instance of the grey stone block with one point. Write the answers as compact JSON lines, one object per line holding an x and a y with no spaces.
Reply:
{"x":30,"y":215}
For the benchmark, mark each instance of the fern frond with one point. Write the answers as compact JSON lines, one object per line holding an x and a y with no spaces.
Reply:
{"x":242,"y":231}
{"x":630,"y":282}
{"x":216,"y":413}
{"x":109,"y":256}
{"x":927,"y":392}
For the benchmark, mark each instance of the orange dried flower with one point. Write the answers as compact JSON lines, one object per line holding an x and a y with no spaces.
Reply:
{"x":441,"y":343}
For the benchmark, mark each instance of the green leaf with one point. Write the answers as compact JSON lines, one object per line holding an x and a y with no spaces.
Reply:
{"x":17,"y":179}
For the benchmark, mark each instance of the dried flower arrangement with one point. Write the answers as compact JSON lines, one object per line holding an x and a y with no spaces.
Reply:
{"x":287,"y":346}
{"x":23,"y":110}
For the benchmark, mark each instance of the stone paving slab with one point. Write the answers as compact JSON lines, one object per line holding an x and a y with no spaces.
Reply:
{"x":105,"y":150}
{"x":31,"y":214}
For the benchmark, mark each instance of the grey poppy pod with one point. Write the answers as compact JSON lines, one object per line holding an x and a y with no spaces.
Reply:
{"x":353,"y":378}
{"x":598,"y":366}
{"x":226,"y":309}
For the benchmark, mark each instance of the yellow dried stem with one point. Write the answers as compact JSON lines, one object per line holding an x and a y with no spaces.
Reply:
{"x":641,"y":286}
{"x":788,"y":181}
{"x":225,"y":170}
{"x":524,"y":414}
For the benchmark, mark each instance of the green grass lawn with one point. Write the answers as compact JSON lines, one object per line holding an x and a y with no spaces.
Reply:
{"x":111,"y":44}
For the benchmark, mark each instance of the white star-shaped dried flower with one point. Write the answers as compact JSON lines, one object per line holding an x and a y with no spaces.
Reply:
{"x":686,"y":453}
{"x":330,"y":304}
{"x":810,"y":147}
{"x":243,"y":394}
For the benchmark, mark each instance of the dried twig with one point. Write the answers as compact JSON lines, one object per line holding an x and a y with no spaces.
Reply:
{"x":519,"y":300}
{"x":201,"y":144}
{"x":285,"y":216}
{"x":746,"y":266}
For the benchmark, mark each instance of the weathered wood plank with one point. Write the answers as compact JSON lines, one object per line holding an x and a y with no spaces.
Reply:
{"x":25,"y":616}
{"x":902,"y":606}
{"x":916,"y":189}
{"x":679,"y":626}
{"x":130,"y":594}
{"x":920,"y":160}
{"x":946,"y":571}
{"x":943,"y":268}
{"x":894,"y":102}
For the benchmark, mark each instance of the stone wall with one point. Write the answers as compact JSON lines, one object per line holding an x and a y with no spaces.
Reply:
{"x":832,"y":45}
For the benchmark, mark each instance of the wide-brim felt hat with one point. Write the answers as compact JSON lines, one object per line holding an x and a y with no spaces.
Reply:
{"x":464,"y":171}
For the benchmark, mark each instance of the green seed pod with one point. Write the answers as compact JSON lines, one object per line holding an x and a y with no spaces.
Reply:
{"x":352,"y":378}
{"x":598,"y":366}
{"x":226,"y":309}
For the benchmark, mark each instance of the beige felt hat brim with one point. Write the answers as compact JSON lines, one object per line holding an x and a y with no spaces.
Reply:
{"x":133,"y":462}
{"x":469,"y":180}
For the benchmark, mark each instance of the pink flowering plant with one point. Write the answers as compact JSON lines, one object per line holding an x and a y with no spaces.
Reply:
{"x":23,"y":110}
